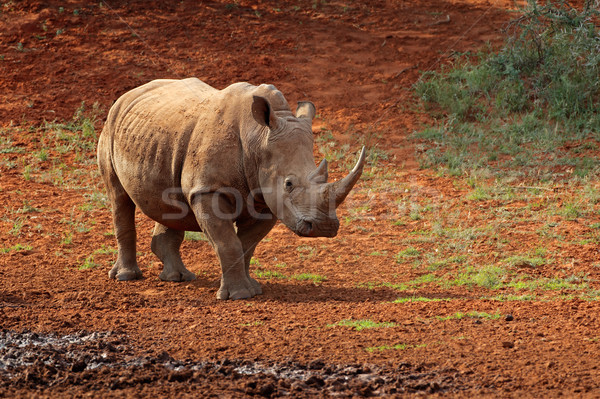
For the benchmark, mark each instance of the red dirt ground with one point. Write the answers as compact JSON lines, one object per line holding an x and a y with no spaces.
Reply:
{"x":357,"y":62}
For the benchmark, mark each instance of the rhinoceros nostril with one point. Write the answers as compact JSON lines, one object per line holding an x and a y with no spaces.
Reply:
{"x":305,"y":228}
{"x":309,"y":227}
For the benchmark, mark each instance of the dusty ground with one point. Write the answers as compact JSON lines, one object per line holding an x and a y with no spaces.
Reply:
{"x":67,"y":330}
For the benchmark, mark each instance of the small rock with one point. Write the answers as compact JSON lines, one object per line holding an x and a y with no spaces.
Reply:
{"x":78,"y":366}
{"x":422,"y":386}
{"x":179,"y":376}
{"x":365,"y":392}
{"x":225,"y":370}
{"x":30,"y":376}
{"x":227,"y":362}
{"x":336,"y":386}
{"x":266,"y":390}
{"x":315,"y":380}
{"x":509,"y":317}
{"x":284,"y":384}
{"x":349,"y":371}
{"x":164,"y":357}
{"x":316,"y":365}
{"x":508,"y":344}
{"x":298,"y":386}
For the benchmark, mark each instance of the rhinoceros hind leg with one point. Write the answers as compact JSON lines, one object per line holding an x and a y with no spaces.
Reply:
{"x":125,"y":267}
{"x":165,"y":245}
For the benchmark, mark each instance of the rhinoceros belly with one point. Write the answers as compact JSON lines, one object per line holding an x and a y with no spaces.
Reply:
{"x":151,"y":178}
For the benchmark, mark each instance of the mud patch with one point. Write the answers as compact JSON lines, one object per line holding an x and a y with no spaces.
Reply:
{"x":76,"y":352}
{"x":105,"y":360}
{"x":364,"y":380}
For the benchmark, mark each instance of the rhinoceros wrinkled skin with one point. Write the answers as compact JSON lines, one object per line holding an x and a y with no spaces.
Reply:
{"x":226,"y":162}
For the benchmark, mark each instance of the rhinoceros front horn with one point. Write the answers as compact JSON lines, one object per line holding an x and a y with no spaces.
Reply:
{"x":342,"y":188}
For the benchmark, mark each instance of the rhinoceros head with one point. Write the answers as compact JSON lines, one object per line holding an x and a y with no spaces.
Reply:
{"x":294,"y":189}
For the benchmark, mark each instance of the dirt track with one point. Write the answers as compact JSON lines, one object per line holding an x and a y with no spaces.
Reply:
{"x":74,"y":332}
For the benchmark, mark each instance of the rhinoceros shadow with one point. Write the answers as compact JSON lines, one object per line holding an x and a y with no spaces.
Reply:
{"x":281,"y":292}
{"x":274,"y":291}
{"x":298,"y":293}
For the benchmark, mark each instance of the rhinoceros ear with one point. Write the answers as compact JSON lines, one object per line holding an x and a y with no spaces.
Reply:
{"x":305,"y":109}
{"x":263,"y":113}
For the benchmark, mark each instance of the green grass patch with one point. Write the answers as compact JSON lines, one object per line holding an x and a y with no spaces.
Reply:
{"x":572,"y":283}
{"x":269,"y":274}
{"x":255,"y":262}
{"x":306,"y":251}
{"x":513,"y":298}
{"x":470,"y":315}
{"x":407,"y":253}
{"x":421,"y":299}
{"x":88,"y":263}
{"x":67,"y":238}
{"x":403,"y":286}
{"x":497,"y":277}
{"x":16,"y":248}
{"x":7,"y":147}
{"x":17,"y":225}
{"x":195,"y":236}
{"x":359,"y":325}
{"x":27,"y":208}
{"x":105,"y":250}
{"x":55,"y":144}
{"x":442,"y":263}
{"x":525,"y":261}
{"x":252,"y":324}
{"x":490,"y":277}
{"x":315,"y":278}
{"x":479,"y":194}
{"x":372,"y":349}
{"x":571,"y":211}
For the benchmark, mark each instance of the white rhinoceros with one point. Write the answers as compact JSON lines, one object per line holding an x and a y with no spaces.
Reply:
{"x":226,"y":162}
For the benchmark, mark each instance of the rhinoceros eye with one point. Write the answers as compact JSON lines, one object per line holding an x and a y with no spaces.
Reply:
{"x":289,"y":185}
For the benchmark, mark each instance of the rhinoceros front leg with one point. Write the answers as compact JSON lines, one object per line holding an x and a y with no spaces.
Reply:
{"x":250,"y":235}
{"x":165,"y":244}
{"x":212,"y":218}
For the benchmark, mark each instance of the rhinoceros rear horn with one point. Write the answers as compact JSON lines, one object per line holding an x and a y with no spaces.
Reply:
{"x":342,"y":188}
{"x":320,"y":174}
{"x":306,"y":109}
{"x":263,"y":113}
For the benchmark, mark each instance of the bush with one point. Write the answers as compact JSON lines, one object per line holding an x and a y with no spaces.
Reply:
{"x":540,"y":90}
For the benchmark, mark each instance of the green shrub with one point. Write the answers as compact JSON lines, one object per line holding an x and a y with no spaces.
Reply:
{"x":533,"y":95}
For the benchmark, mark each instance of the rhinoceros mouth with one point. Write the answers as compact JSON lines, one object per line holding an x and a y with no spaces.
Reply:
{"x":307,"y":228}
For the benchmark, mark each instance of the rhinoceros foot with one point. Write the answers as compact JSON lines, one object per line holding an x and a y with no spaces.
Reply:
{"x":256,"y":286}
{"x":177,"y":275}
{"x":241,"y":289}
{"x":122,"y":272}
